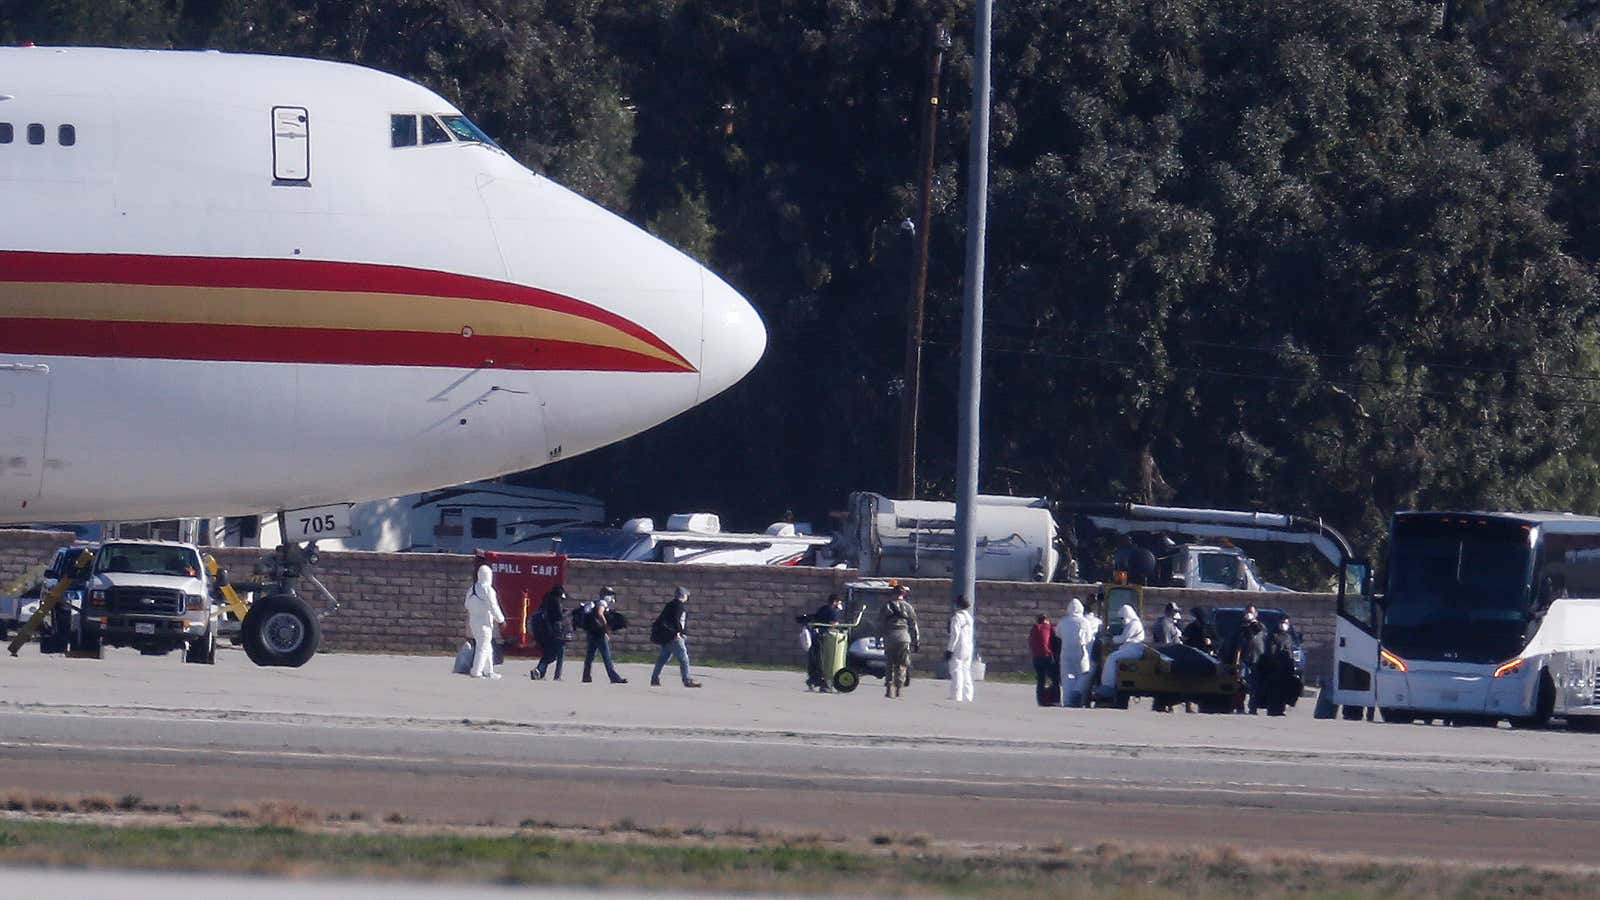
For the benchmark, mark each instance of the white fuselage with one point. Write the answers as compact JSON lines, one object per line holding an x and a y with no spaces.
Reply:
{"x":210,"y":305}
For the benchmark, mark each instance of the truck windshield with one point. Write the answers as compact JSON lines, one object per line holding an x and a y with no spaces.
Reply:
{"x":1459,"y":589}
{"x":139,"y":560}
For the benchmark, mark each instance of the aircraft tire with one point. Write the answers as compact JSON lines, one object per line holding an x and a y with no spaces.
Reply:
{"x":281,"y":631}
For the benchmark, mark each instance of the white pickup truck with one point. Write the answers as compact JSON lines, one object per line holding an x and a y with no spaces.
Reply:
{"x":153,"y":596}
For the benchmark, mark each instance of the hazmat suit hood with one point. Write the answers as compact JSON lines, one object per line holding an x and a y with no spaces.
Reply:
{"x":483,"y":606}
{"x":1126,"y":614}
{"x":1075,"y":608}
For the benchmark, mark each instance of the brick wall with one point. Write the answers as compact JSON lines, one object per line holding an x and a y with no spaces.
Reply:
{"x":402,"y":602}
{"x":22,"y":550}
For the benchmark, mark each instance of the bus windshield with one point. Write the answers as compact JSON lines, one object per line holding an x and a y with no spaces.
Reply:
{"x":1457,"y":590}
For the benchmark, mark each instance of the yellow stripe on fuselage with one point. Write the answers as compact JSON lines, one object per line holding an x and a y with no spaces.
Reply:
{"x":344,"y":310}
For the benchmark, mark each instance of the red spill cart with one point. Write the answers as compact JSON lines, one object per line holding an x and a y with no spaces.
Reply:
{"x":520,"y":581}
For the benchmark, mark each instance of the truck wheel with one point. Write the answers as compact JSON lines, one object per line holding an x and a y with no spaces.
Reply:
{"x":845,"y":680}
{"x":203,"y":651}
{"x":281,"y":631}
{"x":88,"y":642}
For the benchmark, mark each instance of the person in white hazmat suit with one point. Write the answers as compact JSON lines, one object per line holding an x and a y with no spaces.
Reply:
{"x":958,"y":653}
{"x":1076,"y":631}
{"x":483,"y":615}
{"x":1130,"y":645}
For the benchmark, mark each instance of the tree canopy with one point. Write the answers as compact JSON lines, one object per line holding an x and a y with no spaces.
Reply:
{"x":1331,"y":259}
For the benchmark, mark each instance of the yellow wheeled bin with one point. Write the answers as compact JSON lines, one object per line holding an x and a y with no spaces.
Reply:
{"x":834,"y":655}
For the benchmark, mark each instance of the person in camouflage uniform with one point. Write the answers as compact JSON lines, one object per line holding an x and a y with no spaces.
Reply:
{"x":898,"y":628}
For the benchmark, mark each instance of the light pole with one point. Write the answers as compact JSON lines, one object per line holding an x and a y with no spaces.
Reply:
{"x":965,"y":581}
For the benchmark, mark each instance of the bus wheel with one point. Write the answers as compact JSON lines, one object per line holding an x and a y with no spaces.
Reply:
{"x":1543,"y":706}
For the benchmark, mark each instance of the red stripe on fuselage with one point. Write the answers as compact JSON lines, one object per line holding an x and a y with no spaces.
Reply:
{"x":298,"y":275}
{"x":252,"y":343}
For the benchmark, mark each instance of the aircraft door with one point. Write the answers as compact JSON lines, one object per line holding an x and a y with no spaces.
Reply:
{"x":291,"y":145}
{"x":24,"y":411}
{"x":1355,"y":639}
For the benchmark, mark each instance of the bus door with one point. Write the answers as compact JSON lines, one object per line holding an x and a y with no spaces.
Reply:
{"x":1355,"y":639}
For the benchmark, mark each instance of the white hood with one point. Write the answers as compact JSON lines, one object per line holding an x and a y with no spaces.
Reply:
{"x":1075,"y":608}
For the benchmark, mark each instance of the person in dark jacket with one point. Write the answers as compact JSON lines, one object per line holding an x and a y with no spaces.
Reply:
{"x":1046,"y":673}
{"x":1244,"y":650}
{"x":548,"y":627}
{"x":668,"y":631}
{"x":829,"y":613}
{"x":1276,"y":679}
{"x":598,"y":625}
{"x":1200,"y":633}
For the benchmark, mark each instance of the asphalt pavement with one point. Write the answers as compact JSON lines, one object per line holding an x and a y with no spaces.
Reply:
{"x":389,"y":735}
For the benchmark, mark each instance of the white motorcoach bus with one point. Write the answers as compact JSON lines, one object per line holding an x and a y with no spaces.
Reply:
{"x":1486,"y":616}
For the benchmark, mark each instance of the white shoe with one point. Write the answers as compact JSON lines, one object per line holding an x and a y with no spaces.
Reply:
{"x":496,"y":676}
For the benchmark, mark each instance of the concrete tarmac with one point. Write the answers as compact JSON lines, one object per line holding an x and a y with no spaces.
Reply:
{"x":388,"y":735}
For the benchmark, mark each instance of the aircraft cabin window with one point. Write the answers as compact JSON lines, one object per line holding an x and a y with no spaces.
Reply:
{"x":402,"y":131}
{"x":6,"y":133}
{"x":35,"y":133}
{"x":465,"y":131}
{"x":433,"y":132}
{"x":67,"y":135}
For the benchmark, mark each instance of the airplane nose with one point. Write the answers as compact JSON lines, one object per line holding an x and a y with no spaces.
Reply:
{"x":732,"y":337}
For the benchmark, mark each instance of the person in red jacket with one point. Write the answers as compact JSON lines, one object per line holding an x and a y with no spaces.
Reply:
{"x":1041,"y":644}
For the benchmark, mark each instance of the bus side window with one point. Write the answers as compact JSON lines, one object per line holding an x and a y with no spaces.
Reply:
{"x":1569,"y":567}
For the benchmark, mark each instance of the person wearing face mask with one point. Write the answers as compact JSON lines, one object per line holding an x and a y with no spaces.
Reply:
{"x":548,"y":627}
{"x":959,"y":651}
{"x":1244,"y":650}
{"x":1130,"y":645}
{"x":1076,"y":631}
{"x":1276,"y":678}
{"x":599,"y":624}
{"x":483,"y":615}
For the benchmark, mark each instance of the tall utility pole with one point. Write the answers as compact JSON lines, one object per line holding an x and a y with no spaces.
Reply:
{"x":911,"y":395}
{"x":965,"y":581}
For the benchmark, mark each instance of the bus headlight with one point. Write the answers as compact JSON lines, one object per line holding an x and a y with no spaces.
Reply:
{"x":1387,"y":660}
{"x":1510,"y":667}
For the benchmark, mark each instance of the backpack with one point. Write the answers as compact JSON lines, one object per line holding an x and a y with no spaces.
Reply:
{"x":580,"y":619}
{"x":661,"y":631}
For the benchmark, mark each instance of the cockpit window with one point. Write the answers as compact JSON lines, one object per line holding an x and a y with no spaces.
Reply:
{"x":433,"y":132}
{"x":403,"y":131}
{"x":465,"y":131}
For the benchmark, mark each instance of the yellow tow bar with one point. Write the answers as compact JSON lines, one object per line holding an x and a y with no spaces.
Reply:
{"x":236,"y":604}
{"x":47,"y":603}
